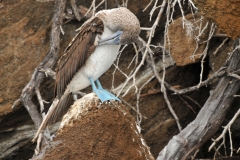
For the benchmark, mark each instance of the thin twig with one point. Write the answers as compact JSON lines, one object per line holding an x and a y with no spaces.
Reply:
{"x":40,"y":100}
{"x":222,"y":71}
{"x":226,"y":128}
{"x":212,"y":30}
{"x":139,"y":118}
{"x":147,"y":5}
{"x":188,"y":105}
{"x":133,"y":108}
{"x":16,"y":103}
{"x":144,"y":48}
{"x":92,"y":9}
{"x":234,"y":75}
{"x":48,"y":72}
{"x":75,"y":9}
{"x":163,"y":89}
{"x":192,"y":100}
{"x":171,"y":109}
{"x":194,"y":155}
{"x":223,"y":42}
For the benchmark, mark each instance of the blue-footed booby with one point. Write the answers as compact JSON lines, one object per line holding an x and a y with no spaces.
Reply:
{"x":89,"y":55}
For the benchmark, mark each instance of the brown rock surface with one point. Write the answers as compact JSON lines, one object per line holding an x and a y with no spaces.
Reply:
{"x":226,"y":14}
{"x":91,"y":130}
{"x":183,"y":43}
{"x":24,"y":34}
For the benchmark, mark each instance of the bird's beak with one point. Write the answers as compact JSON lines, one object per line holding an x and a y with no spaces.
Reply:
{"x":112,"y":40}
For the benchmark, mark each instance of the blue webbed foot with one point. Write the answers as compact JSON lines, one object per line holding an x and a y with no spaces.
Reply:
{"x":102,"y":94}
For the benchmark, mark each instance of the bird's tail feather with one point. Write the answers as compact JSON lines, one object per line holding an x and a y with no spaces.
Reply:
{"x":54,"y":113}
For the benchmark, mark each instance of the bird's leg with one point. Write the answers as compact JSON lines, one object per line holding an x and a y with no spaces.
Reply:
{"x":99,"y":84}
{"x":102,"y":94}
{"x":92,"y":83}
{"x":101,"y":88}
{"x":75,"y":95}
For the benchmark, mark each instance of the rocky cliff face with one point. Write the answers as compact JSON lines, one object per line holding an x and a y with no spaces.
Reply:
{"x":24,"y":41}
{"x":24,"y":37}
{"x":224,"y":13}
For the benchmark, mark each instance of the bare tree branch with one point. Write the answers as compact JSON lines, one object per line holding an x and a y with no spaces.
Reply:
{"x":75,"y":9}
{"x":208,"y":119}
{"x":226,"y":128}
{"x":223,"y":42}
{"x":48,"y":62}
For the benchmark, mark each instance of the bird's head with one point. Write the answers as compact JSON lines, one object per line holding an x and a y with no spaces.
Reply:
{"x":123,"y":22}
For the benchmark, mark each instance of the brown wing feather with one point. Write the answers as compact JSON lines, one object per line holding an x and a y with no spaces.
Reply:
{"x":76,"y":54}
{"x":73,"y":59}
